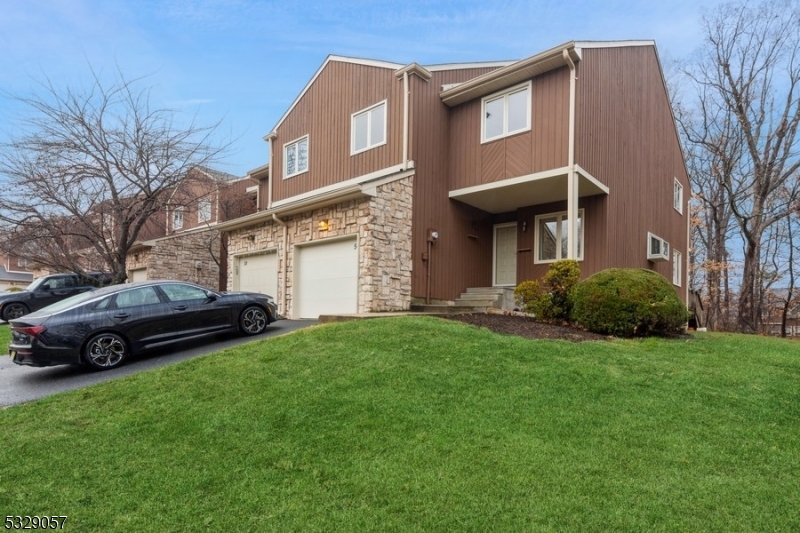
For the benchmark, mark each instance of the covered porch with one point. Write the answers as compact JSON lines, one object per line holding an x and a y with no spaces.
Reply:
{"x":538,"y":219}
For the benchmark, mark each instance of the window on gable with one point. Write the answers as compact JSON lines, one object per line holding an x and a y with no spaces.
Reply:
{"x":204,"y":210}
{"x":551,"y":239}
{"x":506,"y":113}
{"x":369,"y":128}
{"x":676,"y":267}
{"x":177,"y":218}
{"x":677,"y":196}
{"x":295,"y":157}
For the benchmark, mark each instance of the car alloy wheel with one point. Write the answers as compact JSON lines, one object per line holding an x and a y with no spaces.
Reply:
{"x":253,"y":321}
{"x":13,"y":311}
{"x":105,"y":351}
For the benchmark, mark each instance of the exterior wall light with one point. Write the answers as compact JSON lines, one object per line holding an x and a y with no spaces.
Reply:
{"x":324,"y":225}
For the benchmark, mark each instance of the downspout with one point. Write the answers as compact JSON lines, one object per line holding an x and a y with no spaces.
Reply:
{"x":406,"y":94}
{"x":685,"y":273}
{"x":572,"y":178}
{"x":269,"y":138}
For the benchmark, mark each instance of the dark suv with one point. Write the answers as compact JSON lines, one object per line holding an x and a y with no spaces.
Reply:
{"x":47,"y":290}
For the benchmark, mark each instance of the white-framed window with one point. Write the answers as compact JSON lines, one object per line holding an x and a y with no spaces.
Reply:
{"x":295,"y":157}
{"x":551,"y":237}
{"x":676,"y":268}
{"x":657,"y":248}
{"x":204,"y":210}
{"x":677,"y":196}
{"x":177,"y":218}
{"x":368,"y":128}
{"x":506,"y":113}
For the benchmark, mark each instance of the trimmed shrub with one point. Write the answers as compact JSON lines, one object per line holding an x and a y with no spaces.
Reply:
{"x":552,"y":300}
{"x":628,"y":302}
{"x":561,"y":280}
{"x":14,"y":289}
{"x":526,"y":294}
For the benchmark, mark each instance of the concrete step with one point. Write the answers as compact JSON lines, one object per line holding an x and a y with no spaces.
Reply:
{"x":484,"y":290}
{"x":475,"y":303}
{"x":443,"y":309}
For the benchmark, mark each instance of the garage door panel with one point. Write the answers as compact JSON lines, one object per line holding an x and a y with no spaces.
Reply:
{"x":259,"y":273}
{"x":327,"y":279}
{"x":140,"y":274}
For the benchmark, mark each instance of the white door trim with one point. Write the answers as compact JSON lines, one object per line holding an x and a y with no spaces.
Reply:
{"x":494,"y":253}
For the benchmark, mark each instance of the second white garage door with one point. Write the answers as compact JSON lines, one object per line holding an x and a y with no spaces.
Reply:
{"x":326,"y":279}
{"x":140,"y":274}
{"x":259,"y":273}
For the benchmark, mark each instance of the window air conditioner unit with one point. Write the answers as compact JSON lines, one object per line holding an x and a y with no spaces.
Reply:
{"x":657,"y":248}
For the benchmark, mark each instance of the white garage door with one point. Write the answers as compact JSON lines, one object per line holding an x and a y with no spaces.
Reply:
{"x":259,"y":273}
{"x":140,"y":274}
{"x":326,"y":279}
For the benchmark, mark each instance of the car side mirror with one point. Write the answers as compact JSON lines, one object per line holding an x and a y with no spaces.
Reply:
{"x":211,"y":296}
{"x":46,"y":287}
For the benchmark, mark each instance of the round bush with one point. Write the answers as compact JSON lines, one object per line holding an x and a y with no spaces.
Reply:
{"x":628,"y":302}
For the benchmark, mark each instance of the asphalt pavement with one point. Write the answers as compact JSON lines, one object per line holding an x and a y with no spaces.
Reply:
{"x":20,"y":384}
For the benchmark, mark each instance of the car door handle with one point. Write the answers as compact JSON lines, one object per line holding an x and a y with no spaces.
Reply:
{"x":180,"y":307}
{"x":122,"y":315}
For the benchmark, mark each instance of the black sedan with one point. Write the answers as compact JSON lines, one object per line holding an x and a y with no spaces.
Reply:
{"x":103,"y":327}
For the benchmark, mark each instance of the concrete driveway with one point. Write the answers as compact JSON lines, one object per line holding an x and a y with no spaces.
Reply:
{"x":20,"y":384}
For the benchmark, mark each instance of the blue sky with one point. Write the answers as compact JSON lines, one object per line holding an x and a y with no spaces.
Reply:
{"x":243,"y":62}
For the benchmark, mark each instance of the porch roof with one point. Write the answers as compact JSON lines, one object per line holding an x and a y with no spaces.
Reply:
{"x":533,"y":189}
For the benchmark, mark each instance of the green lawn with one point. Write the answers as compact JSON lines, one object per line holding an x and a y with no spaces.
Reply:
{"x":420,"y":424}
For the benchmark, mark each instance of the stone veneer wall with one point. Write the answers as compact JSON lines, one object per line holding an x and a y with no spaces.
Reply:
{"x":175,"y":258}
{"x":382,"y":225}
{"x":137,"y":260}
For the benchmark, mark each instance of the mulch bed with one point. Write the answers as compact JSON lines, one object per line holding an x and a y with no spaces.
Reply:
{"x":525,"y":326}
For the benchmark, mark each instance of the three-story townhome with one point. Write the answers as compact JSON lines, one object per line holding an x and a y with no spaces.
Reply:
{"x":390,"y":184}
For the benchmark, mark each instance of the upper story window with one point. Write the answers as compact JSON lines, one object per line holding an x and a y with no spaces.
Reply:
{"x":677,"y":196}
{"x":177,"y":218}
{"x":368,"y":128}
{"x":506,"y":113}
{"x":551,"y":239}
{"x":295,"y":157}
{"x":204,"y":210}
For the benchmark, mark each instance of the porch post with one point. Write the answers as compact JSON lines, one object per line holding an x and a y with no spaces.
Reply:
{"x":572,"y":214}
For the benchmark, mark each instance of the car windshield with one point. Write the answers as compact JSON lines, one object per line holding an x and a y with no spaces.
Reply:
{"x":35,"y":284}
{"x":66,"y":303}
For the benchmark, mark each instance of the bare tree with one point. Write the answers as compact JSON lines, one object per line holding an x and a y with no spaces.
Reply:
{"x":89,"y":168}
{"x":746,"y":80}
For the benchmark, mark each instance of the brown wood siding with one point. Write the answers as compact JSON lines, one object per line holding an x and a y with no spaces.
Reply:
{"x":544,"y":147}
{"x":324,"y":114}
{"x":626,"y":138}
{"x":462,"y":257}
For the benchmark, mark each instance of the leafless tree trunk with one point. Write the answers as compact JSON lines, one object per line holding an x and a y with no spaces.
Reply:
{"x":89,"y":168}
{"x":746,"y":77}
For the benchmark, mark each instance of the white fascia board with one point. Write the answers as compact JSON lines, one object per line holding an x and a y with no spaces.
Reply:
{"x":358,"y":181}
{"x":461,"y":66}
{"x":361,"y":186}
{"x":510,"y":181}
{"x":597,"y":183}
{"x":613,"y":44}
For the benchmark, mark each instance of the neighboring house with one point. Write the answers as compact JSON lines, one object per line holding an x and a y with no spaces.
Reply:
{"x":182,"y":242}
{"x":773,"y":309}
{"x":390,"y":184}
{"x":14,"y":272}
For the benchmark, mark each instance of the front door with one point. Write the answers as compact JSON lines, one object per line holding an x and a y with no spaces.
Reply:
{"x":505,"y":255}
